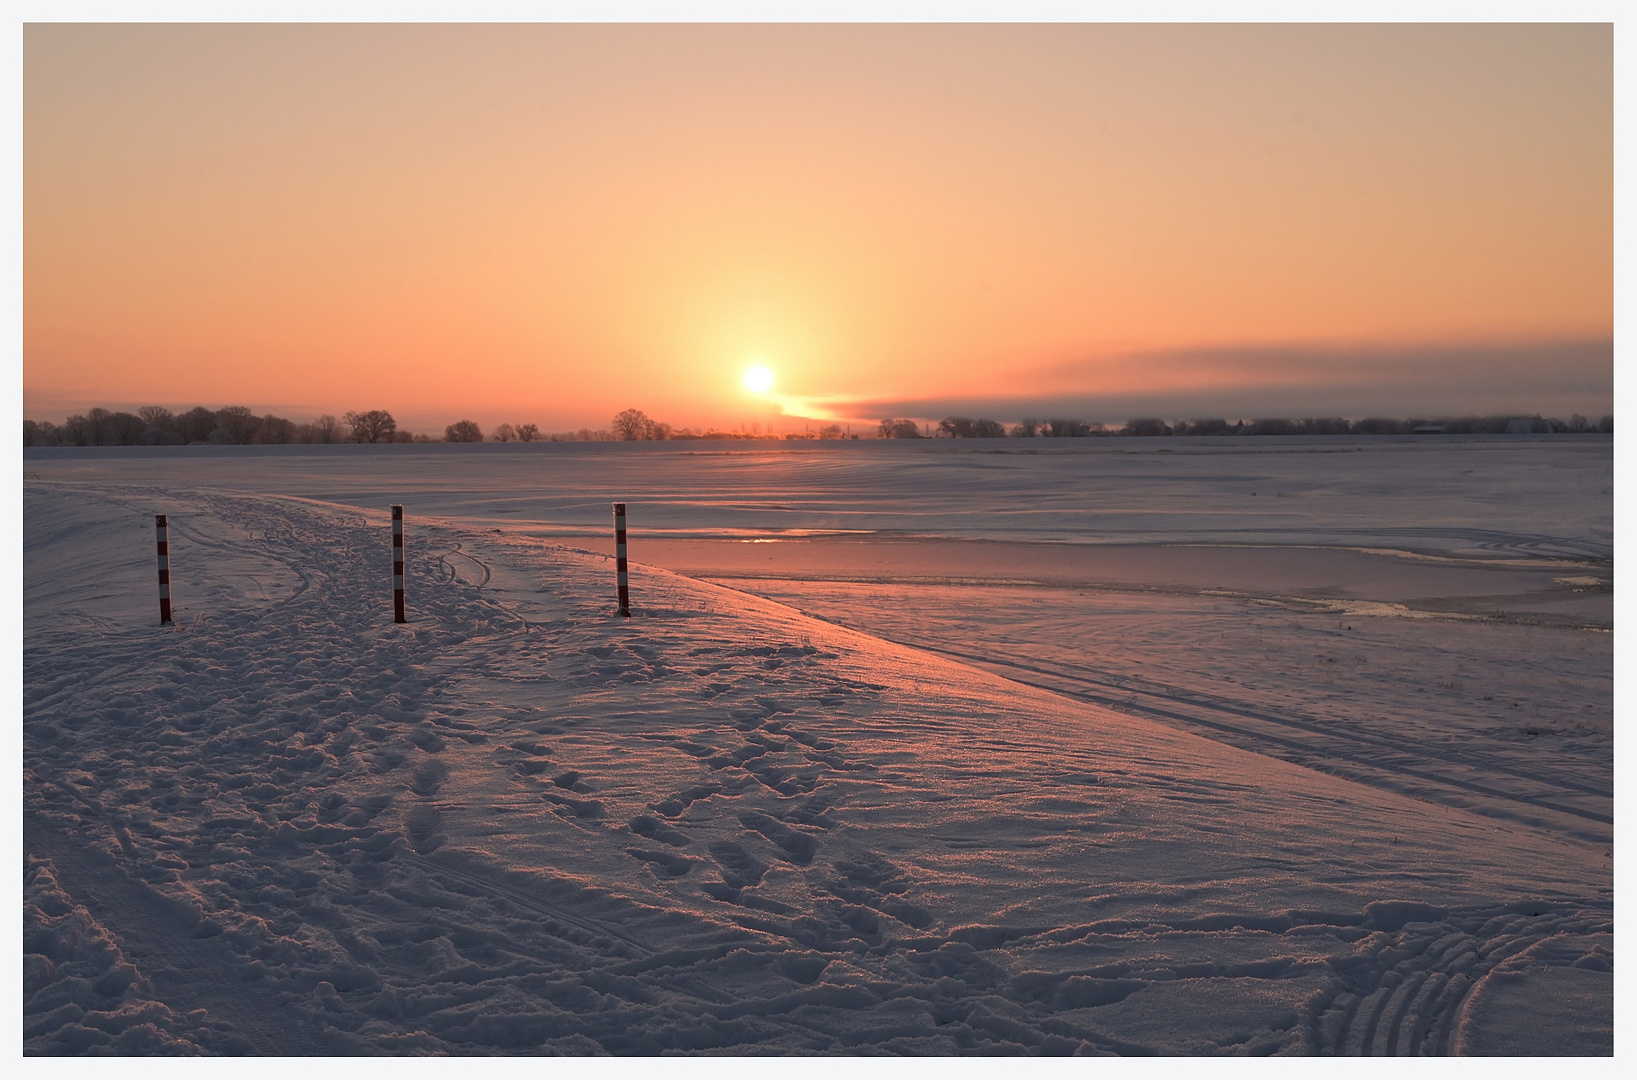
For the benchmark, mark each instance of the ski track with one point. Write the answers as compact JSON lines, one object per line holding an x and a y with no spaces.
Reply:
{"x":517,"y":825}
{"x":1319,"y":745}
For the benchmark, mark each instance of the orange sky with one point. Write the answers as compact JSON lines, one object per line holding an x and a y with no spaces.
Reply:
{"x":549,"y":224}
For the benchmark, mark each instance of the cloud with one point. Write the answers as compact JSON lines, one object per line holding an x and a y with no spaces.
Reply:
{"x":1552,"y":378}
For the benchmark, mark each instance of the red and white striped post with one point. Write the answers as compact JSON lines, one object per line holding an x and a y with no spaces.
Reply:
{"x":398,"y":564}
{"x":619,"y":558}
{"x":162,"y":532}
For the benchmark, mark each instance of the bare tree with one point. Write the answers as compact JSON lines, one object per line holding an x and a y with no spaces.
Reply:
{"x":899,"y":429}
{"x":235,"y":425}
{"x":99,"y":427}
{"x":463,"y":431}
{"x":163,"y":426}
{"x":503,"y":433}
{"x":275,"y":429}
{"x":633,"y":424}
{"x":374,"y":426}
{"x":326,"y":429}
{"x":527,"y":432}
{"x":196,"y":424}
{"x":963,"y":427}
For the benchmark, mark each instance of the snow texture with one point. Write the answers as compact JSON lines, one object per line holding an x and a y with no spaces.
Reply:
{"x":519,"y":824}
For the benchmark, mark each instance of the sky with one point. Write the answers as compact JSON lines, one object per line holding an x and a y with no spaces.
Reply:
{"x":549,"y":224}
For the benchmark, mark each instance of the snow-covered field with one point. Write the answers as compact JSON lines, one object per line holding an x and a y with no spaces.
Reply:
{"x":742,"y":823}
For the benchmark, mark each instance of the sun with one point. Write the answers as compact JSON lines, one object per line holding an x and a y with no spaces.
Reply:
{"x":758,"y":380}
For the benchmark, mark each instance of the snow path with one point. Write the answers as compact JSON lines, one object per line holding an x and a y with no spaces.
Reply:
{"x":518,"y":824}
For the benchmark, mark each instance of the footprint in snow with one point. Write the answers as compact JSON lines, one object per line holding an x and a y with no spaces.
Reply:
{"x":674,"y":806}
{"x":655,"y":829}
{"x":798,"y":847}
{"x":424,"y":737}
{"x":429,"y":777}
{"x":421,"y":829}
{"x":673,"y":865}
{"x":738,"y":868}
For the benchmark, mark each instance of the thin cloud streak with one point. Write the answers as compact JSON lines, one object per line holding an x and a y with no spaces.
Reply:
{"x":1554,"y":378}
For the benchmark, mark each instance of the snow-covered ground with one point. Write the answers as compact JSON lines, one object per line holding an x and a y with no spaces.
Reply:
{"x":1480,"y":686}
{"x":520,"y":824}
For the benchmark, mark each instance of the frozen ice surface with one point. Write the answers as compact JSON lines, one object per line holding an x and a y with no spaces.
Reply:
{"x":1496,"y":495}
{"x":519,"y":824}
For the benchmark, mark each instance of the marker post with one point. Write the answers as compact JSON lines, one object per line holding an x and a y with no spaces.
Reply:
{"x":398,"y":564}
{"x":619,"y":558}
{"x":162,"y":532}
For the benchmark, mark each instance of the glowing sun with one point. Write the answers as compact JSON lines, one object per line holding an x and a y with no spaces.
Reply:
{"x":758,"y":380}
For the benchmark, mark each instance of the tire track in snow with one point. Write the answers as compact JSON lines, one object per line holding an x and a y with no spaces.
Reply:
{"x":182,"y":529}
{"x":1410,"y":997}
{"x":1094,"y":690}
{"x":449,"y":574}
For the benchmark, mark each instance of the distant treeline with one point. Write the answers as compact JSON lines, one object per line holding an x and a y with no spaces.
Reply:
{"x":633,"y":424}
{"x":237,"y":425}
{"x":964,"y":427}
{"x":234,"y":425}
